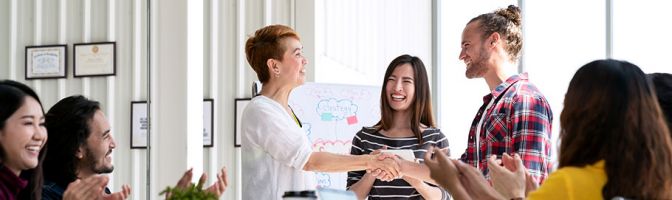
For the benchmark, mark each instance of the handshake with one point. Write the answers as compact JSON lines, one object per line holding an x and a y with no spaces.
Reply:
{"x":386,"y":166}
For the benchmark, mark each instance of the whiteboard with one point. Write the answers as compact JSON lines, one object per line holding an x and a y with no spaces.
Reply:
{"x":331,"y":115}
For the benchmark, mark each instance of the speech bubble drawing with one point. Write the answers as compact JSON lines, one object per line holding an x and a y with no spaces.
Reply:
{"x":336,"y":110}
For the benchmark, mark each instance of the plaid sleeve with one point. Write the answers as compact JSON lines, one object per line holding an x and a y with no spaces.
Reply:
{"x":356,"y":149}
{"x":531,"y":120}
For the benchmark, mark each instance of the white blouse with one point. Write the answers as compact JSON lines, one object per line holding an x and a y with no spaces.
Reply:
{"x":274,"y":151}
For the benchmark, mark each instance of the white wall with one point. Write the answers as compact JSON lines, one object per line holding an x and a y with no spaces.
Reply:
{"x":43,"y":22}
{"x":226,"y":74}
{"x":356,"y":40}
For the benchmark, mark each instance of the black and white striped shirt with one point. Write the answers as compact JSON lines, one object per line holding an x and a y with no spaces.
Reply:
{"x":368,"y":139}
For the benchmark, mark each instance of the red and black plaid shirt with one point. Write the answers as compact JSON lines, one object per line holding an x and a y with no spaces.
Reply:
{"x":519,"y":120}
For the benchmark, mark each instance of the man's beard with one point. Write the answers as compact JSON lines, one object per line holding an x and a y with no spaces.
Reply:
{"x":478,"y":67}
{"x":96,"y":165}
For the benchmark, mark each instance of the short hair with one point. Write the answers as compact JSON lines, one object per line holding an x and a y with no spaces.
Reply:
{"x":12,"y":96}
{"x":68,"y":125}
{"x":507,"y":22}
{"x":264,"y":45}
{"x":662,"y":82}
{"x":422,"y":101}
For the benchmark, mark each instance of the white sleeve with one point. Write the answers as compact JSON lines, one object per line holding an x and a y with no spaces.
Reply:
{"x":268,"y":129}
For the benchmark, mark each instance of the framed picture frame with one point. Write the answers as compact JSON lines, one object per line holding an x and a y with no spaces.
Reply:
{"x":95,"y":59}
{"x":46,"y":62}
{"x":240,"y":104}
{"x":139,"y":124}
{"x":208,"y":119}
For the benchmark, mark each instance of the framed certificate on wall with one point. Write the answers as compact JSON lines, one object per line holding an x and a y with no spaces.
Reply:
{"x":208,"y":126}
{"x":95,"y":59}
{"x":46,"y":62}
{"x":139,"y":124}
{"x":240,"y":105}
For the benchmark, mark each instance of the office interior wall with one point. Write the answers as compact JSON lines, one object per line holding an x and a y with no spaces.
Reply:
{"x":226,"y":74}
{"x":40,"y":22}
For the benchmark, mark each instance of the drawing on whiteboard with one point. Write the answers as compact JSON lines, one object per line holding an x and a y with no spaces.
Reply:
{"x":331,"y":115}
{"x":336,"y":110}
{"x":334,"y":146}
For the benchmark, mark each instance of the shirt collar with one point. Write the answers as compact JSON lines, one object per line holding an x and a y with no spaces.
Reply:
{"x":505,"y":85}
{"x":14,"y":183}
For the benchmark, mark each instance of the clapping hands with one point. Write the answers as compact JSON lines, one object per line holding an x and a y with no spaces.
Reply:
{"x":123,"y":194}
{"x":461,"y":180}
{"x":92,"y":188}
{"x":88,"y":188}
{"x":508,"y":175}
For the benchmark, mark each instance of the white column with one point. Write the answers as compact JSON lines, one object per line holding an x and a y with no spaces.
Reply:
{"x":136,"y":67}
{"x":214,"y":85}
{"x":111,"y":92}
{"x":240,"y":45}
{"x":177,"y":120}
{"x":153,"y":61}
{"x":267,"y":12}
{"x":240,"y":71}
{"x":292,"y":13}
{"x":62,"y":31}
{"x":194,"y":82}
{"x":86,"y":37}
{"x":305,"y":26}
{"x":13,"y":31}
{"x":37,"y":38}
{"x":436,"y":60}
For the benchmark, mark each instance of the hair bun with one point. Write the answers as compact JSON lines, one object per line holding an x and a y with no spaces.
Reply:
{"x":511,"y":13}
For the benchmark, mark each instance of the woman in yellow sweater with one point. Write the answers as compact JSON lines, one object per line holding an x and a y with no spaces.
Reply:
{"x":614,"y":144}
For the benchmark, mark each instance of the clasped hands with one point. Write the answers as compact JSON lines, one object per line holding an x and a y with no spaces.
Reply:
{"x":384,"y":166}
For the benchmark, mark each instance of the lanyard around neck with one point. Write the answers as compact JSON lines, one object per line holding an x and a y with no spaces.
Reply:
{"x":296,"y":119}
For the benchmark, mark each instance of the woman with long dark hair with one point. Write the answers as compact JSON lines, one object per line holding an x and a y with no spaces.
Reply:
{"x":22,"y":148}
{"x":406,"y":123}
{"x":22,"y":137}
